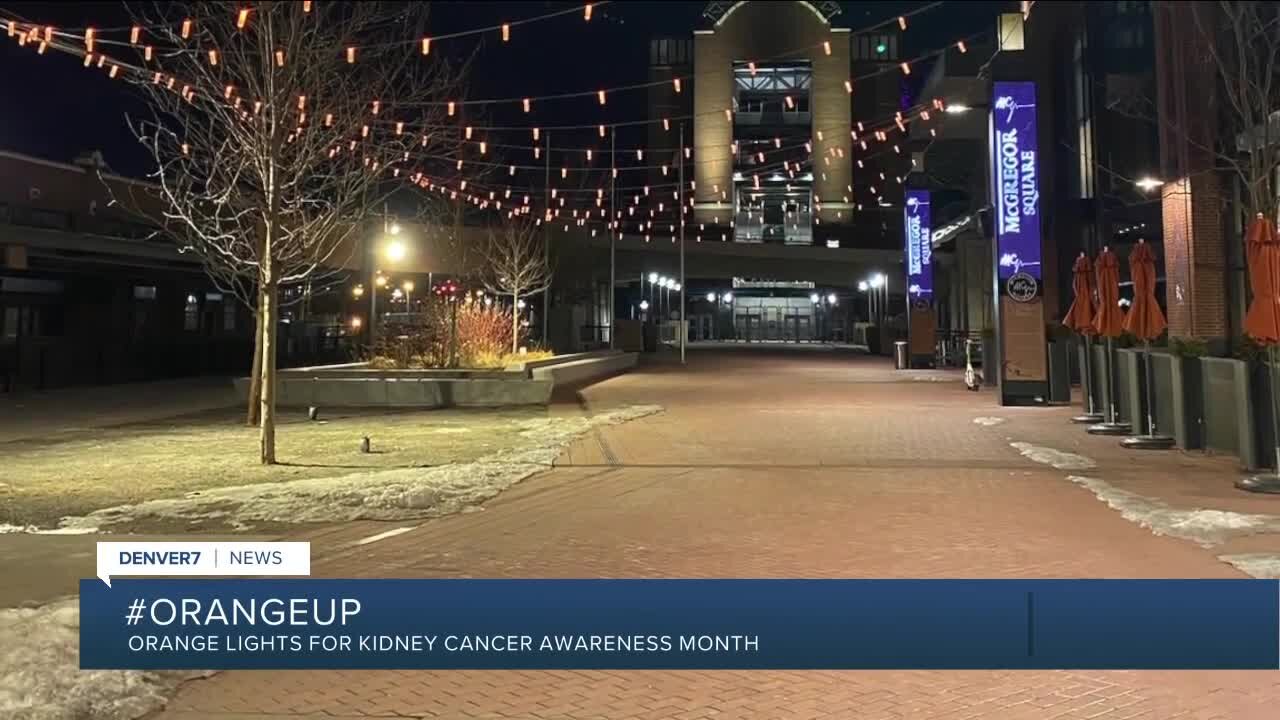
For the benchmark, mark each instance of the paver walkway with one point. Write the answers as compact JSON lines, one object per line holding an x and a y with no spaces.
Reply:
{"x":786,"y":465}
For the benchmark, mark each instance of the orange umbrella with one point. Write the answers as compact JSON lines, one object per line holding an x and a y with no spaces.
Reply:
{"x":1080,"y":315}
{"x":1262,"y":323}
{"x":1107,"y":321}
{"x":1144,"y":321}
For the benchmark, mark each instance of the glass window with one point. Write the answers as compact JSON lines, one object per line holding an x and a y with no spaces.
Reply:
{"x":191,"y":314}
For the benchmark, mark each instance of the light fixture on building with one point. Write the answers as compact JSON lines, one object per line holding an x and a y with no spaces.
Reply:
{"x":1149,"y":183}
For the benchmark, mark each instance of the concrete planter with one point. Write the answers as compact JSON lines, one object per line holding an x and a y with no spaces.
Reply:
{"x":1124,"y":385}
{"x":1131,"y":388}
{"x":1059,"y":353}
{"x":1261,"y":378}
{"x":530,"y":383}
{"x":1228,"y":425}
{"x":1177,"y":385}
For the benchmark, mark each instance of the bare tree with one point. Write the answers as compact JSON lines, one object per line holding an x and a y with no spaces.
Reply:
{"x":516,"y":264}
{"x":279,"y":129}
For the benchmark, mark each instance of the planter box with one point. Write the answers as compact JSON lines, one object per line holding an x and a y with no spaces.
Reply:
{"x":1261,"y":378}
{"x":1124,"y":384}
{"x":1179,"y":396}
{"x":1131,"y":388}
{"x":1228,"y":415}
{"x":1059,"y":354}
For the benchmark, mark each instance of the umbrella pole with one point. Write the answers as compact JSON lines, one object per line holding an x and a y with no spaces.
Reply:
{"x":1112,"y":426}
{"x":1091,"y":414}
{"x":1151,"y":440}
{"x":1264,"y":483}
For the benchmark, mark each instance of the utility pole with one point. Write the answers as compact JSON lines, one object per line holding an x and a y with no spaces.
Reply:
{"x":613,"y":232}
{"x":546,"y":245}
{"x":684,"y":333}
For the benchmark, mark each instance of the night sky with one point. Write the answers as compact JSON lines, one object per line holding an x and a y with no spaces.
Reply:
{"x":53,"y":108}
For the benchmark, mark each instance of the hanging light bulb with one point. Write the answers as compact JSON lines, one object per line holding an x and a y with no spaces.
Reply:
{"x":962,"y":47}
{"x":484,"y":146}
{"x":600,"y":96}
{"x":601,"y":131}
{"x":848,"y":86}
{"x":468,"y":132}
{"x":452,"y":108}
{"x":426,"y":46}
{"x":752,"y":67}
{"x":213,"y":58}
{"x":135,"y":34}
{"x":512,"y":170}
{"x":906,"y":69}
{"x":588,"y":155}
{"x":586,"y":12}
{"x":279,"y":58}
{"x":146,"y":53}
{"x":666,"y":124}
{"x":377,"y":106}
{"x":826,"y":46}
{"x":88,"y":37}
{"x":902,"y":22}
{"x":186,"y":29}
{"x":399,"y":127}
{"x":506,"y":32}
{"x":677,"y":84}
{"x":536,"y":133}
{"x":351,"y":55}
{"x":242,"y":19}
{"x":306,"y":6}
{"x":537,"y":152}
{"x":227,"y":93}
{"x":639,"y":154}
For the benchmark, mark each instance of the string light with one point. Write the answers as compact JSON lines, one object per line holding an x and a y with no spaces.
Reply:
{"x":586,"y":12}
{"x":526,"y":104}
{"x":601,"y":131}
{"x":306,"y":6}
{"x":677,"y":84}
{"x":213,"y":58}
{"x":146,"y":53}
{"x":906,"y":69}
{"x":351,"y":55}
{"x":226,"y":94}
{"x":536,"y":134}
{"x":963,"y":48}
{"x":279,"y":58}
{"x":186,"y":29}
{"x":848,"y":86}
{"x":600,"y":95}
{"x":451,"y":108}
{"x":902,"y":22}
{"x":468,"y":132}
{"x":506,"y":32}
{"x":426,"y":46}
{"x":88,"y":39}
{"x":826,"y":46}
{"x":242,"y":19}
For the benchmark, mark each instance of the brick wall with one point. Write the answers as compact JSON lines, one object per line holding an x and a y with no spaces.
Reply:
{"x":1192,"y":198}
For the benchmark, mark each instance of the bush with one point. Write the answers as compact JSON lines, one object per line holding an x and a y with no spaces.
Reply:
{"x":1188,"y":347}
{"x":484,"y":339}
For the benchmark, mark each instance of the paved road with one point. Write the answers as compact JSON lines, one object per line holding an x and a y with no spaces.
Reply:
{"x":786,"y":465}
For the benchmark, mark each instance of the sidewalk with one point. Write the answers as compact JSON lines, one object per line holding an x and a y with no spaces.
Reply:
{"x":800,"y":465}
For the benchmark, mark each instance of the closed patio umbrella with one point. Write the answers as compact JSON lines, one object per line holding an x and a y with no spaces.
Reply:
{"x":1262,"y":323}
{"x":1080,"y":319}
{"x":1107,"y":323}
{"x":1146,"y":322}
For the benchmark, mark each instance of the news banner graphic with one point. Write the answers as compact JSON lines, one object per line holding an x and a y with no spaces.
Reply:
{"x":221,"y":623}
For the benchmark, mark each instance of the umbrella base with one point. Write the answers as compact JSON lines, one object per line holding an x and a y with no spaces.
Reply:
{"x":1260,"y":484}
{"x":1148,"y":442}
{"x":1116,"y":428}
{"x":1087,"y":418}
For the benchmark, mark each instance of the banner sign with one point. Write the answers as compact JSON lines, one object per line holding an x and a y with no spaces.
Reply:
{"x":917,"y":228}
{"x":1016,"y":181}
{"x":679,"y":624}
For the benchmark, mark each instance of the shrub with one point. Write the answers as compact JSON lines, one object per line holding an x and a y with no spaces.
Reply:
{"x":484,"y":339}
{"x":1188,"y":347}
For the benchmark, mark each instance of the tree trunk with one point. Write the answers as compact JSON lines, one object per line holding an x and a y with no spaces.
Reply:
{"x":267,"y":404}
{"x":515,"y":323}
{"x":255,"y":374}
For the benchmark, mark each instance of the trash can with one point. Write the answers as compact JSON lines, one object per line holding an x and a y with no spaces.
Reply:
{"x":901,"y":358}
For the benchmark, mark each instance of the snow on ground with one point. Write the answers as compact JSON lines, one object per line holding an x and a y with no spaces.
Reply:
{"x":6,"y":528}
{"x":1264,"y":566}
{"x":398,"y":494}
{"x":988,"y":421}
{"x":40,"y":677}
{"x":1057,"y":458}
{"x":1203,"y":527}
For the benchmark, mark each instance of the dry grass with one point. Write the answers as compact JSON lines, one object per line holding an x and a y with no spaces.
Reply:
{"x":88,"y":470}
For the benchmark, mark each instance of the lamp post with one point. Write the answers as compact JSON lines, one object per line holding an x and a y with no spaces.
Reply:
{"x":395,"y":251}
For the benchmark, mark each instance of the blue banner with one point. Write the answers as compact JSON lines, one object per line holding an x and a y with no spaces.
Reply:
{"x":679,"y":624}
{"x":1016,"y":179}
{"x":919,"y":233}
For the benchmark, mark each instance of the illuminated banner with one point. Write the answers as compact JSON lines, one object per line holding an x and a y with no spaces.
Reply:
{"x":919,"y":234}
{"x":1016,"y":182}
{"x":679,"y":624}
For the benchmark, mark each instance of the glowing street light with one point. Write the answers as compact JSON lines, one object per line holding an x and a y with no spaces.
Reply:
{"x":357,"y":292}
{"x":831,"y":299}
{"x":711,"y":297}
{"x":394,"y":228}
{"x":396,"y":250}
{"x":355,"y":323}
{"x":380,"y":281}
{"x":1147,"y":184}
{"x":813,"y":298}
{"x":957,"y":109}
{"x":863,"y":286}
{"x":653,"y":278}
{"x":728,"y":297}
{"x":644,"y":304}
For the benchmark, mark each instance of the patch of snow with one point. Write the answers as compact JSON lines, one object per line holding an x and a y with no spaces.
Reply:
{"x":1203,"y":527}
{"x":41,"y":679}
{"x":1263,"y":566}
{"x":33,"y":530}
{"x":931,"y":378}
{"x":399,"y":494}
{"x":988,"y":421}
{"x":1057,"y":458}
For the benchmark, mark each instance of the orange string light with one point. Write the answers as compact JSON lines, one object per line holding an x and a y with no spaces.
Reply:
{"x":600,"y":96}
{"x":146,"y":53}
{"x":242,"y":18}
{"x":88,"y":39}
{"x":306,"y":6}
{"x":426,"y":46}
{"x":351,"y":55}
{"x":279,"y":58}
{"x":213,"y":57}
{"x":506,"y":32}
{"x":186,"y":29}
{"x":526,"y":104}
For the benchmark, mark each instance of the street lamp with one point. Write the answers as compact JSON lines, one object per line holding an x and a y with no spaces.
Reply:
{"x":408,"y":293}
{"x":357,"y":292}
{"x":711,"y":297}
{"x":380,"y":281}
{"x":1147,"y":184}
{"x":813,"y":298}
{"x":957,"y":109}
{"x":396,"y":250}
